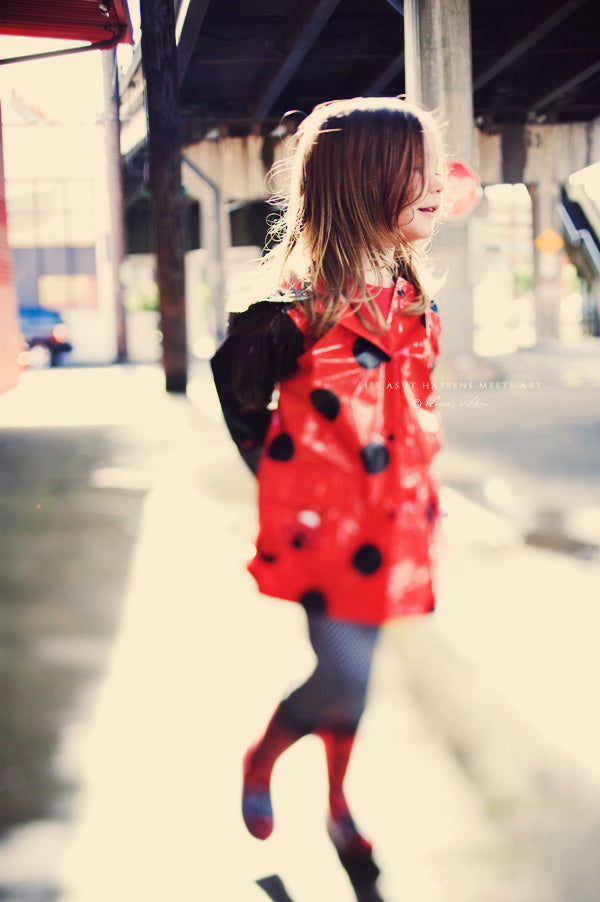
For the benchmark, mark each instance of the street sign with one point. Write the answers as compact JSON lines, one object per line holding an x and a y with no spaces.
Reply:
{"x":549,"y":242}
{"x":462,"y":192}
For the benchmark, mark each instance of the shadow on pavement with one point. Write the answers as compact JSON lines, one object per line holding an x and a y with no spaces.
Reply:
{"x":66,"y":548}
{"x":274,"y":887}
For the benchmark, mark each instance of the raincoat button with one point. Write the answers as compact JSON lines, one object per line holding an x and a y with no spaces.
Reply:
{"x":325,"y":402}
{"x":282,"y":447}
{"x":375,"y":457}
{"x":368,"y":355}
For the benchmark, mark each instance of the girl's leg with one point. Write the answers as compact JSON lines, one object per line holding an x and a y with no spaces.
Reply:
{"x":330,"y":703}
{"x":333,"y":697}
{"x":258,"y":765}
{"x":343,"y":830}
{"x":345,"y":653}
{"x":354,"y":851}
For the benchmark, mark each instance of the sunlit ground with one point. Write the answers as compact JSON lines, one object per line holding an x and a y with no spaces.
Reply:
{"x":199,"y":661}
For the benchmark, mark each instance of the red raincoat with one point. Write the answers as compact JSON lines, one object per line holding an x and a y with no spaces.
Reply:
{"x":347,"y":505}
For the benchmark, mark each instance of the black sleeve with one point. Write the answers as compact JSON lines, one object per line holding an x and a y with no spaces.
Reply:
{"x":261,"y":348}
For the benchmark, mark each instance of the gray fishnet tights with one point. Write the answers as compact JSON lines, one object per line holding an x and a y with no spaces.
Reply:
{"x":334,"y":695}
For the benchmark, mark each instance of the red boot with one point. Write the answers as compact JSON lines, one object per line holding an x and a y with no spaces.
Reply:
{"x":258,"y":765}
{"x":354,"y":851}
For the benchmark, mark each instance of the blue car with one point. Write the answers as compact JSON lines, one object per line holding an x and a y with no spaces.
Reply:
{"x":46,"y":329}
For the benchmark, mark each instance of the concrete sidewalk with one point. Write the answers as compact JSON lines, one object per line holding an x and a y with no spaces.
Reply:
{"x":475,"y":758}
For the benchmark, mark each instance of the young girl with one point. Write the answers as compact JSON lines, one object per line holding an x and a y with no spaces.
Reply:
{"x":327,"y":393}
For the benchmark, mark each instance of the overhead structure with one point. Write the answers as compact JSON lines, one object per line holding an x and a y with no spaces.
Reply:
{"x":102,"y":23}
{"x":242,"y":66}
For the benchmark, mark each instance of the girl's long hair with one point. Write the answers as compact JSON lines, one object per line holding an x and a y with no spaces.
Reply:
{"x":355,"y":166}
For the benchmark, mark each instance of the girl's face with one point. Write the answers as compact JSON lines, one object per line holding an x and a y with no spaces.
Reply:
{"x":416,"y":222}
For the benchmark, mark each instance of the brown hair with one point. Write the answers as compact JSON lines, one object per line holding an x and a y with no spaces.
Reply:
{"x":356,"y":165}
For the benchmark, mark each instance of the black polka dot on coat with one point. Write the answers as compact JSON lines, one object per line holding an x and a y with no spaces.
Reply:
{"x":266,"y":556}
{"x":375,"y":457}
{"x":368,"y":355}
{"x":367,"y":559}
{"x":313,"y":601}
{"x":325,"y":402}
{"x":298,"y":540}
{"x":282,"y":447}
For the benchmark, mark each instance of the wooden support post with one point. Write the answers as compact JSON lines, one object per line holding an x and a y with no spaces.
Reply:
{"x":159,"y":62}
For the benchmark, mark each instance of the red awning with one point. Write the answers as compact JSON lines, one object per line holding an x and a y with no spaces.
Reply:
{"x":102,"y":22}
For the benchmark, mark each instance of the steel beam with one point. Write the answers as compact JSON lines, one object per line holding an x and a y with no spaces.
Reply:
{"x":304,"y":34}
{"x":390,"y":71}
{"x":566,"y":86}
{"x":527,"y":42}
{"x":187,"y":28}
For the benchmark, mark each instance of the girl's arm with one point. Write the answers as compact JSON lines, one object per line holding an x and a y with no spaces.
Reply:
{"x":261,"y":349}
